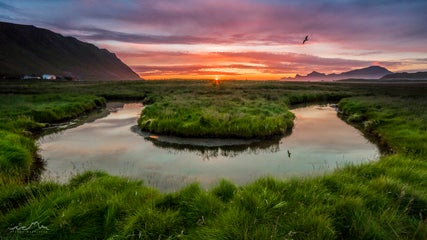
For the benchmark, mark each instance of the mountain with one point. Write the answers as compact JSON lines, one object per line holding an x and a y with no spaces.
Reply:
{"x":28,"y":50}
{"x":372,"y":72}
{"x":406,"y":76}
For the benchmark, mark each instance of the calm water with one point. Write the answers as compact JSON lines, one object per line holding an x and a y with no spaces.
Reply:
{"x":319,"y":142}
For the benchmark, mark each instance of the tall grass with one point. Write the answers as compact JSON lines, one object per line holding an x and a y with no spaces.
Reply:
{"x":15,"y":150}
{"x":386,"y":199}
{"x":47,"y":108}
{"x":96,"y":205}
{"x":212,"y":116}
{"x":247,"y":110}
{"x":23,"y":115}
{"x":401,"y":122}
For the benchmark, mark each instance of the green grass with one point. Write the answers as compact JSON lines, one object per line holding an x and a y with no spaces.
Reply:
{"x":16,"y":154}
{"x":231,"y":110}
{"x":47,"y":108}
{"x":386,"y":199}
{"x":400,"y":122}
{"x":23,"y":115}
{"x":211,"y":116}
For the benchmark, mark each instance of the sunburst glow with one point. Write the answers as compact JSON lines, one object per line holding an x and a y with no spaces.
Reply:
{"x":242,"y":39}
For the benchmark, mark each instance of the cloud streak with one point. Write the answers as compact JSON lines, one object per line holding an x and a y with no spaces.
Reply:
{"x":348,"y":34}
{"x":271,"y":66}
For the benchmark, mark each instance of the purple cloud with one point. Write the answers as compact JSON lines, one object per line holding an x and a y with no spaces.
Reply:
{"x":351,"y":33}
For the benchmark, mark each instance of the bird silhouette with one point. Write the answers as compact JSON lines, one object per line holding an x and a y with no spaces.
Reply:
{"x":289,"y":154}
{"x":305,"y":39}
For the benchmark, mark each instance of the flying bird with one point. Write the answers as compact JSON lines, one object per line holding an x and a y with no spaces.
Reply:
{"x":305,"y":39}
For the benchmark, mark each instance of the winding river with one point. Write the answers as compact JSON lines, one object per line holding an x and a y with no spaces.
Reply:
{"x":319,"y":143}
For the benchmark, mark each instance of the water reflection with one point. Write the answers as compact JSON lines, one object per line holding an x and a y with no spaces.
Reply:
{"x":319,"y":142}
{"x":211,"y":148}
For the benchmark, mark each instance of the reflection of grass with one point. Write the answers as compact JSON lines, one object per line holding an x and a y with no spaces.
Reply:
{"x":207,"y":152}
{"x":386,"y":199}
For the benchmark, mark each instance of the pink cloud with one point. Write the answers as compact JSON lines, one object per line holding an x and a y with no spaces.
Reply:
{"x":343,"y":35}
{"x":155,"y":63}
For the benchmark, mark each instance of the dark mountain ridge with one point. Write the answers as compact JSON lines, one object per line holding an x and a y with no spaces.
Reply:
{"x":26,"y":50}
{"x":372,"y":72}
{"x":406,"y":76}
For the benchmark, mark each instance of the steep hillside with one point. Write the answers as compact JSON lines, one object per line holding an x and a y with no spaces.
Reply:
{"x":26,"y":50}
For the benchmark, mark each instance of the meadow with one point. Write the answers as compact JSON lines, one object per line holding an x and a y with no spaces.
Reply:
{"x":386,"y":199}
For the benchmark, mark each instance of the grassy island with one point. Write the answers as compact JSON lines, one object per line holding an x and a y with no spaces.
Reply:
{"x":213,"y":116}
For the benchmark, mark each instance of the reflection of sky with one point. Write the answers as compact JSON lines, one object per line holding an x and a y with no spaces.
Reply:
{"x":323,"y":125}
{"x":320,"y":141}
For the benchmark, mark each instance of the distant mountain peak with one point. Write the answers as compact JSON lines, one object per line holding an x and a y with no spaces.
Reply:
{"x":371,"y":72}
{"x":316,"y":74}
{"x":28,"y":50}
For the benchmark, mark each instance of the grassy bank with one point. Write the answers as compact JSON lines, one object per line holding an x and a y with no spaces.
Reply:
{"x":402,"y":121}
{"x":386,"y":199}
{"x":23,"y":115}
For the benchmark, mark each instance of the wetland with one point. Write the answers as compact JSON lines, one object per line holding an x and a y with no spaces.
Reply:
{"x":229,"y":188}
{"x":318,"y":143}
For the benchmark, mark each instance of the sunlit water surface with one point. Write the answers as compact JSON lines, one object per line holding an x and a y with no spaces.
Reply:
{"x":319,"y":142}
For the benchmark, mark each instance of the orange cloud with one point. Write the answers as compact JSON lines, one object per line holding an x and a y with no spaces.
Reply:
{"x":239,"y":38}
{"x":232,"y":65}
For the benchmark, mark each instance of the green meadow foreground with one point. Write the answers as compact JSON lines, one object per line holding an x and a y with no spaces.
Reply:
{"x":386,"y":199}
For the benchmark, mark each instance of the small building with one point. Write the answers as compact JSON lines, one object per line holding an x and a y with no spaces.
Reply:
{"x":29,"y":77}
{"x":49,"y":77}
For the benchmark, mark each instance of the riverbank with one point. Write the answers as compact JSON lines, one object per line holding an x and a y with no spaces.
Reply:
{"x":22,"y":117}
{"x":380,"y":200}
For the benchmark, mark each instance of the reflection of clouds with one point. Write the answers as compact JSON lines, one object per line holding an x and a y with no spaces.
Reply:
{"x":322,"y":129}
{"x":319,"y":142}
{"x":128,"y":110}
{"x":86,"y":149}
{"x":99,"y":136}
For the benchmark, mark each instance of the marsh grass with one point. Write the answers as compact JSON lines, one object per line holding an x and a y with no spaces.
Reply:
{"x":214,"y":116}
{"x":230,"y":110}
{"x":401,"y":122}
{"x":386,"y":199}
{"x":23,"y":115}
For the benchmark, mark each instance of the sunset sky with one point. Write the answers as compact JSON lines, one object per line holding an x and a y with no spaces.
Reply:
{"x":239,"y":39}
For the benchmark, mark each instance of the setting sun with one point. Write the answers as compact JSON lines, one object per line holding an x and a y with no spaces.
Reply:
{"x":243,"y":39}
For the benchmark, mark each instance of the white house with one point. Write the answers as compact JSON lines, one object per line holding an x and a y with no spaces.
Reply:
{"x":49,"y":77}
